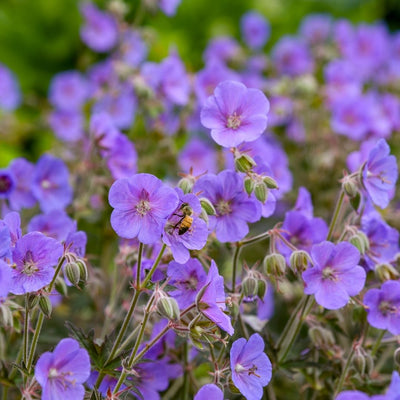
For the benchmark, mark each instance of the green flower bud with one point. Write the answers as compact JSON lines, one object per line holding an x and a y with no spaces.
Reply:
{"x":6,"y":315}
{"x":250,"y":287}
{"x":45,"y":306}
{"x":33,"y":300}
{"x":359,"y":362}
{"x":270,"y":182}
{"x":299,"y":260}
{"x":369,"y":364}
{"x":244,"y":163}
{"x":83,"y":273}
{"x":386,"y":272}
{"x":358,"y":242}
{"x":204,"y":216}
{"x":261,"y":191}
{"x":61,"y":287}
{"x":231,"y":386}
{"x":168,"y":308}
{"x":261,"y":288}
{"x":207,"y":206}
{"x":72,"y":271}
{"x":248,"y":185}
{"x":186,"y":184}
{"x":350,"y":187}
{"x":396,"y":356}
{"x":321,"y":337}
{"x":275,"y":264}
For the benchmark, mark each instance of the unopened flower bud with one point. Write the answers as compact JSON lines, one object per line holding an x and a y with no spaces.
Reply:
{"x":168,"y":308}
{"x":350,"y":187}
{"x":261,"y":191}
{"x":386,"y":272}
{"x":232,"y":388}
{"x":369,"y":364}
{"x":299,"y":260}
{"x":359,"y":362}
{"x":61,"y":287}
{"x":186,"y":184}
{"x":83,"y":273}
{"x":250,"y":287}
{"x":244,"y":163}
{"x":45,"y":306}
{"x":6,"y":316}
{"x":321,"y":337}
{"x":204,"y":216}
{"x":275,"y":264}
{"x":248,"y":185}
{"x":33,"y":300}
{"x":72,"y":271}
{"x":261,"y":288}
{"x":207,"y":206}
{"x":396,"y":356}
{"x":270,"y":182}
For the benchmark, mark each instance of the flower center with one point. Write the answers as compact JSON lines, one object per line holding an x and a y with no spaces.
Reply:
{"x":250,"y":371}
{"x":53,"y":373}
{"x":223,"y":207}
{"x":5,"y":183}
{"x":46,"y":184}
{"x":329,"y":274}
{"x":143,"y":206}
{"x":233,"y":121}
{"x":387,"y":308}
{"x":30,"y":266}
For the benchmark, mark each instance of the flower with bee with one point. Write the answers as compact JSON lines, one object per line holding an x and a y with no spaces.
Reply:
{"x":184,"y":229}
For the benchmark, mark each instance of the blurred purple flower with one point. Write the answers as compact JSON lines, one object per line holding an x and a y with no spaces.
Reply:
{"x":383,"y":307}
{"x":34,"y":256}
{"x":50,"y":183}
{"x":13,"y":222}
{"x":5,"y":276}
{"x":335,"y":275}
{"x":379,"y":175}
{"x":141,"y":205}
{"x":188,"y":279}
{"x":208,"y":392}
{"x":67,"y":125}
{"x":255,"y":29}
{"x":222,"y":48}
{"x":61,"y":374}
{"x":10,"y":93}
{"x":100,"y":31}
{"x":168,"y":7}
{"x":250,"y":366}
{"x":316,"y":28}
{"x":7,"y":183}
{"x":234,"y":208}
{"x":211,"y":299}
{"x":235,"y":114}
{"x":133,"y":50}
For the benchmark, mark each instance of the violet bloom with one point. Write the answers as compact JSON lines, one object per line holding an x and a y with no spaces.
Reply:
{"x":67,"y":125}
{"x":383,"y":307}
{"x":100,"y":31}
{"x":61,"y":374}
{"x":188,"y":279}
{"x":292,"y":57}
{"x":222,"y":48}
{"x":208,"y":392}
{"x":141,"y":205}
{"x":68,"y":91}
{"x":316,"y":28}
{"x":21,"y":196}
{"x":352,"y":395}
{"x":133,"y":49}
{"x":168,"y":7}
{"x":194,"y":237}
{"x":7,"y":183}
{"x":234,"y":208}
{"x":12,"y":221}
{"x":34,"y":256}
{"x":5,"y":278}
{"x":5,"y":241}
{"x":10,"y":93}
{"x":335,"y":275}
{"x":235,"y":114}
{"x":250,"y":366}
{"x":211,"y":300}
{"x":255,"y":29}
{"x":50,"y":183}
{"x":379,"y":174}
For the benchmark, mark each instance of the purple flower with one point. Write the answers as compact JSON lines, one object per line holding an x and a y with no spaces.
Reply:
{"x":168,"y":7}
{"x":100,"y":31}
{"x":141,"y":205}
{"x":235,"y":114}
{"x":68,"y":91}
{"x":234,"y":208}
{"x":352,"y":395}
{"x":34,"y":257}
{"x":5,"y":241}
{"x":61,"y":374}
{"x":10,"y":93}
{"x":133,"y":49}
{"x":223,"y":49}
{"x":250,"y":366}
{"x":255,"y":29}
{"x":7,"y":183}
{"x":208,"y":392}
{"x":67,"y":125}
{"x":50,"y":184}
{"x":335,"y":275}
{"x":188,"y":279}
{"x":379,"y":174}
{"x":211,"y":299}
{"x":5,"y":276}
{"x":316,"y":28}
{"x":383,"y":307}
{"x":195,"y":237}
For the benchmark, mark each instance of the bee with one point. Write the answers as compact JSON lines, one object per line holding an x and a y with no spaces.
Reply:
{"x":186,"y":219}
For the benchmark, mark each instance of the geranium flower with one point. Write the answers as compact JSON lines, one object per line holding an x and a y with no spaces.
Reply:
{"x":335,"y":275}
{"x":235,"y":114}
{"x":255,"y":29}
{"x":141,"y":205}
{"x":208,"y":392}
{"x":251,"y":367}
{"x":61,"y":374}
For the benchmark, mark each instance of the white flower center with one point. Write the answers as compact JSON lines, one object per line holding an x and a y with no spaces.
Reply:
{"x":233,"y":121}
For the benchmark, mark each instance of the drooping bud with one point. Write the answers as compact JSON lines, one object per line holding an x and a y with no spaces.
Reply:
{"x":299,"y":261}
{"x":250,"y":287}
{"x":359,"y":361}
{"x":261,"y":288}
{"x":168,"y":308}
{"x":386,"y":272}
{"x":248,"y":185}
{"x":270,"y":182}
{"x":321,"y":337}
{"x":186,"y":184}
{"x":61,"y":287}
{"x":45,"y":306}
{"x":359,"y":242}
{"x":275,"y":264}
{"x":204,"y":216}
{"x":350,"y":187}
{"x":33,"y":300}
{"x":6,"y":316}
{"x":72,"y":271}
{"x":83,"y":273}
{"x":231,"y":386}
{"x":244,"y":163}
{"x":261,"y":192}
{"x":396,"y":356}
{"x":207,"y":206}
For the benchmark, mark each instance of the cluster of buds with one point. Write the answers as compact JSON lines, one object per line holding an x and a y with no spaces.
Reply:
{"x":75,"y":270}
{"x":253,"y":285}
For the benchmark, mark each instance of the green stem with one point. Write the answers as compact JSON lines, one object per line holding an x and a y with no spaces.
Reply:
{"x":139,"y":264}
{"x":345,"y":370}
{"x":154,"y":267}
{"x":378,"y":342}
{"x":255,"y":239}
{"x":336,"y":213}
{"x":186,"y":372}
{"x":234,"y":265}
{"x":292,"y":333}
{"x":26,"y":331}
